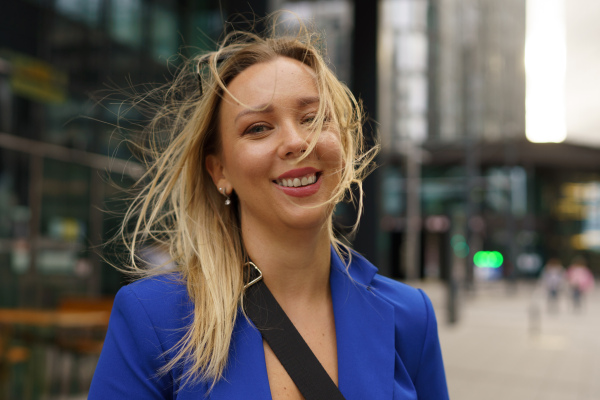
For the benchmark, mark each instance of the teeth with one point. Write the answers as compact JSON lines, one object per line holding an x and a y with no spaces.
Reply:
{"x":297,"y":182}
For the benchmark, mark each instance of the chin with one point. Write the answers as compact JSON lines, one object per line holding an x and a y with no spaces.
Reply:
{"x":316,"y":220}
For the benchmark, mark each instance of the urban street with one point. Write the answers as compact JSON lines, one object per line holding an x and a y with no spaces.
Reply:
{"x":507,"y":345}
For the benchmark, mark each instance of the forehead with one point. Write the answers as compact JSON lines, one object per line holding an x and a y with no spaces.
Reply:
{"x":264,"y":83}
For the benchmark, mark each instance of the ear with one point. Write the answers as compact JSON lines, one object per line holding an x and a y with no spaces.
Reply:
{"x":216,"y":169}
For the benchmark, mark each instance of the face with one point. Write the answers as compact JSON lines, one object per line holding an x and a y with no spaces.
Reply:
{"x":263,"y":134}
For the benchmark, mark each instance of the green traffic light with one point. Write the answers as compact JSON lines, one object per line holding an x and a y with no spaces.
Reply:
{"x":488,"y":259}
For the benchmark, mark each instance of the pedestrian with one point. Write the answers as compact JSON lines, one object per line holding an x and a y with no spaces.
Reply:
{"x":553,"y":279}
{"x":260,"y":152}
{"x":581,"y":281}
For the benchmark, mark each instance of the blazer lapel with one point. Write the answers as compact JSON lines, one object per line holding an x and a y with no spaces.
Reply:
{"x":246,"y":375}
{"x":364,"y":325}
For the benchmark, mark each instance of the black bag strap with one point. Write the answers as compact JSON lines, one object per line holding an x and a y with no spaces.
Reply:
{"x":286,"y":342}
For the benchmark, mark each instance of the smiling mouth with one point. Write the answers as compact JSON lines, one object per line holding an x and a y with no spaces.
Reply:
{"x":306,"y":180}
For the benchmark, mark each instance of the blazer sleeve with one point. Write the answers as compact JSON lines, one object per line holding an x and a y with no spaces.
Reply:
{"x":131,"y":355}
{"x":430,"y":381}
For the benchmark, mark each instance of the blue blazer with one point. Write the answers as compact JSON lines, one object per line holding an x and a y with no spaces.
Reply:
{"x":387,"y":342}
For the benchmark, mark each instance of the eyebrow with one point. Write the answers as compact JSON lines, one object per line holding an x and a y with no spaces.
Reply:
{"x":268,"y":107}
{"x":306,"y":101}
{"x":260,"y":109}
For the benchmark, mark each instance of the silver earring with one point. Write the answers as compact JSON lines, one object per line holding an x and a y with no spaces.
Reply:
{"x":227,"y":199}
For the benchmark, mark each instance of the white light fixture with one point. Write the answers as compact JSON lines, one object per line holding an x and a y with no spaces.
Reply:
{"x":545,"y":65}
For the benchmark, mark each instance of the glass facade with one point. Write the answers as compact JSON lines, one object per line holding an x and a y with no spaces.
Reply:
{"x":404,"y":29}
{"x":456,"y":164}
{"x":63,"y":160}
{"x":334,"y":19}
{"x":60,"y":150}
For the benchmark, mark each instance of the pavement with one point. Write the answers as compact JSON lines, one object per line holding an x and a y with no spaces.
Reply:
{"x":508,"y":345}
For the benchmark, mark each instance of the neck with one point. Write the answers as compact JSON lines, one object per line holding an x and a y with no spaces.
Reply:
{"x":295,"y":264}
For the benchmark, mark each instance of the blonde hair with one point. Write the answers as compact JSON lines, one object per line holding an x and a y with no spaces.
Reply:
{"x":179,"y":207}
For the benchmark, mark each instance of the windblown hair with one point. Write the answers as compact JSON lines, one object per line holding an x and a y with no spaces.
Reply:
{"x":179,"y":208}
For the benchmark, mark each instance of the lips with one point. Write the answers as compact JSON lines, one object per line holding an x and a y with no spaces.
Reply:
{"x":300,"y":182}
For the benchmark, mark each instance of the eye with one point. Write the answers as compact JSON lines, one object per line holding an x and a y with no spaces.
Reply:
{"x":309,"y":118}
{"x":256,"y":129}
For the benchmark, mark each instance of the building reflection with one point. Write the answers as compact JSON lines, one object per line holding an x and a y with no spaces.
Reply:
{"x":57,"y":158}
{"x":62,"y":161}
{"x":452,"y":114}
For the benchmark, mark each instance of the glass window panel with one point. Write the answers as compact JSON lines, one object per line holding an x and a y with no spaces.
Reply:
{"x":411,"y":51}
{"x":417,"y":128}
{"x":405,"y":14}
{"x":87,"y":11}
{"x":334,"y":19}
{"x":417,"y":94}
{"x":205,"y":27}
{"x":412,"y":94}
{"x":164,"y":32}
{"x":125,"y":23}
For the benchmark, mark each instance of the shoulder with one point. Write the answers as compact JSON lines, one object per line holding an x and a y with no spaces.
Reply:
{"x":415,"y":328}
{"x":414,"y":315}
{"x":415,"y":318}
{"x":410,"y":302}
{"x":145,"y":324}
{"x":162,"y":292}
{"x":160,"y":304}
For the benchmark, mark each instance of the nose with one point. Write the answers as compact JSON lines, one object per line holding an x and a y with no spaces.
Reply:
{"x":294,"y":141}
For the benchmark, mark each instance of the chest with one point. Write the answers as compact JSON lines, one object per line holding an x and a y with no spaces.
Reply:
{"x":321,"y":339}
{"x":359,"y":350}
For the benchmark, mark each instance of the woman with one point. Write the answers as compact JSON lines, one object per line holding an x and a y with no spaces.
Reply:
{"x":258,"y":157}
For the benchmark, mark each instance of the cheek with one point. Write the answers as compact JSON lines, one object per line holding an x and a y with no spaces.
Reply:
{"x":330,"y":150}
{"x":247,"y":163}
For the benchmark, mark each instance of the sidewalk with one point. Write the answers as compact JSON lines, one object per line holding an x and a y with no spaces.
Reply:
{"x":500,"y":350}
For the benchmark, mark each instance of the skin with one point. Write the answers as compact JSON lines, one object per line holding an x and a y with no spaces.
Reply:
{"x":284,"y":230}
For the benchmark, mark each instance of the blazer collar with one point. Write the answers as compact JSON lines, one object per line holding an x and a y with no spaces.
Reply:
{"x":364,"y":324}
{"x":360,"y":269}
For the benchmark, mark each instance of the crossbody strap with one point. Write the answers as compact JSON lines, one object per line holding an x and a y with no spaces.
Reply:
{"x":288,"y":345}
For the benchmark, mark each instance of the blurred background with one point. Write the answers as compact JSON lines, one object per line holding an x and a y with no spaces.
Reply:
{"x":487,"y":194}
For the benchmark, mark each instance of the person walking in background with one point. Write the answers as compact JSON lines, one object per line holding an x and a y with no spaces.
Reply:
{"x":553,"y":279}
{"x":581,"y":281}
